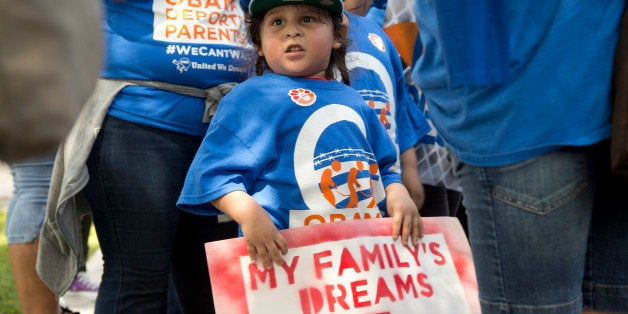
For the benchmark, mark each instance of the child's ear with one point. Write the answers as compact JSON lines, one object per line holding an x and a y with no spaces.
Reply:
{"x":337,"y":44}
{"x":260,"y":52}
{"x":338,"y":41}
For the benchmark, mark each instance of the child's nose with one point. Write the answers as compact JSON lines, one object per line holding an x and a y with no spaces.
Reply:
{"x":293,"y":31}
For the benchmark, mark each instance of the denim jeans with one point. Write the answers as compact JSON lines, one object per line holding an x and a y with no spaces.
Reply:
{"x":528,"y":229}
{"x":31,"y":181}
{"x":606,"y":274}
{"x":154,"y":258}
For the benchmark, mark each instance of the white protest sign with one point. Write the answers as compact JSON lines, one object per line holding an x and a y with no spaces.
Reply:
{"x":350,"y":267}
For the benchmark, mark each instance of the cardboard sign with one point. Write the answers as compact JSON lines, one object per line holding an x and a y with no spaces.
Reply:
{"x":350,"y":267}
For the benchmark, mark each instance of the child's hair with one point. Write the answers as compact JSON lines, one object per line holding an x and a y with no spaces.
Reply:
{"x":336,"y":61}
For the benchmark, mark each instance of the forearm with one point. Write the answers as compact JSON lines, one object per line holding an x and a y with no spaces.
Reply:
{"x":395,"y":191}
{"x":240,"y":206}
{"x":410,"y":177}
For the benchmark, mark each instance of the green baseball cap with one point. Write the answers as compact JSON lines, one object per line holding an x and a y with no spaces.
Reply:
{"x":259,"y":6}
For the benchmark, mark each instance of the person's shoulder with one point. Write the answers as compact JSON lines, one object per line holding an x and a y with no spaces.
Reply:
{"x":342,"y":87}
{"x":250,"y":84}
{"x":363,"y":23}
{"x":331,"y":87}
{"x":341,"y":91}
{"x":264,"y":86}
{"x":261,"y":81}
{"x":364,"y":35}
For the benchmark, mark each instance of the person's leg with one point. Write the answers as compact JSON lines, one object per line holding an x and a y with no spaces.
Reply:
{"x":24,"y":220}
{"x":131,"y":196}
{"x":606,"y":279}
{"x":436,"y":201}
{"x":191,"y":279}
{"x":528,"y":226}
{"x":136,"y":175}
{"x":454,"y":198}
{"x":461,"y":214}
{"x":35,"y":296}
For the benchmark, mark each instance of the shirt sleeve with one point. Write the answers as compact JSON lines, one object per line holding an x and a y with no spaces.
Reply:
{"x":411,"y":122}
{"x":223,"y":164}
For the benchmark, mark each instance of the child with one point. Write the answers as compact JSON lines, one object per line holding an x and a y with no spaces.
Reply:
{"x":377,"y":74}
{"x":292,"y":146}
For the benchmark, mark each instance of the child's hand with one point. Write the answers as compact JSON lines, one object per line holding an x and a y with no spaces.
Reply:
{"x":263,"y":240}
{"x":406,"y":219}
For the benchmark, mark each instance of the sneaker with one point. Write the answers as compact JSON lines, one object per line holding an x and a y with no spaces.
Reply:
{"x":83,"y":286}
{"x":82,"y":282}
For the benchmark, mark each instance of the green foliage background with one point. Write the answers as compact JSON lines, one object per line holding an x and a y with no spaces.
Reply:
{"x":9,"y":302}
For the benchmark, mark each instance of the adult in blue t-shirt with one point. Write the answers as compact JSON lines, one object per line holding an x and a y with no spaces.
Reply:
{"x":519,"y":90}
{"x":170,"y":53}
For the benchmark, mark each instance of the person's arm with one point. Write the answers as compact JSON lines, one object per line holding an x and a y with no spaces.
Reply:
{"x":399,"y":205}
{"x":410,"y":177}
{"x":357,"y":7}
{"x":262,"y":238}
{"x":406,"y":218}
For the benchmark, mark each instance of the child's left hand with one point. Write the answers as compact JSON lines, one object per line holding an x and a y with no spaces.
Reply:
{"x":406,"y":218}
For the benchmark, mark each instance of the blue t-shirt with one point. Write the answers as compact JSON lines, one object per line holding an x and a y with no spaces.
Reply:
{"x":193,"y":43}
{"x":377,"y":74}
{"x":308,"y":151}
{"x":557,"y":89}
{"x":377,"y":11}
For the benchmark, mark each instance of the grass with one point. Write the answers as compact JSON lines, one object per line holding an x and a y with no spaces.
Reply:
{"x":9,"y":302}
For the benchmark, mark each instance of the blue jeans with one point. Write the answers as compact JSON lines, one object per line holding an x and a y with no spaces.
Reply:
{"x":606,"y":275}
{"x":31,"y":181}
{"x":529,"y":228}
{"x":154,"y":258}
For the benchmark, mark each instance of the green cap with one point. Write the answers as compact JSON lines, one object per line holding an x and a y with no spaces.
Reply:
{"x":259,"y":6}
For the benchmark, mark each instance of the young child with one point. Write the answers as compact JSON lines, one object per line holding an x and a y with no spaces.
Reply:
{"x":294,"y":147}
{"x":376,"y":73}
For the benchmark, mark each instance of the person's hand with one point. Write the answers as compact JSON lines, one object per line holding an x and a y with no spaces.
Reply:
{"x":263,"y":241}
{"x":406,"y":218}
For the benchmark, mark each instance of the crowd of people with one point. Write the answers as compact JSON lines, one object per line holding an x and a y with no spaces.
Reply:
{"x":202,"y":129}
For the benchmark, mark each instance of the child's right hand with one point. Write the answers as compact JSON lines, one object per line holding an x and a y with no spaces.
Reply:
{"x":263,"y":241}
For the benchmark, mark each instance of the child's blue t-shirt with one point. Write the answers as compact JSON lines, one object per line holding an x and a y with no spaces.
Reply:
{"x":178,"y":42}
{"x":308,"y":151}
{"x":376,"y":73}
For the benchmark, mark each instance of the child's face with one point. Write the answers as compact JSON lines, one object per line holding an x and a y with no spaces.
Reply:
{"x":297,"y":40}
